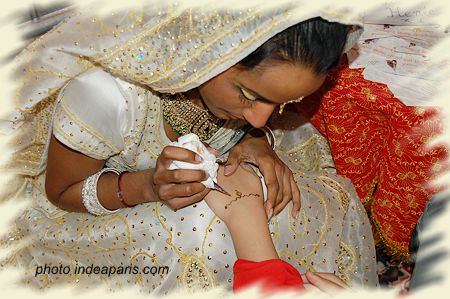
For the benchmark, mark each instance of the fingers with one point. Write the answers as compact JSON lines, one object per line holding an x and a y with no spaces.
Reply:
{"x":168,"y":184}
{"x":271,"y":181}
{"x":179,"y":176}
{"x":296,"y":198}
{"x":286,"y":190}
{"x":332,"y":277}
{"x":170,"y":153}
{"x":324,"y":283}
{"x":211,"y":149}
{"x":170,"y":191}
{"x":232,"y":161}
{"x":178,"y":203}
{"x":281,"y":187}
{"x":305,"y":280}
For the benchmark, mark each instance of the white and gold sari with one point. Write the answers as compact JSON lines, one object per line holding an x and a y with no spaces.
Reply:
{"x":94,"y":83}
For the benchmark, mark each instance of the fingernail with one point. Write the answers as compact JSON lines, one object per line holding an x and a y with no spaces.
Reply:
{"x":270,"y":214}
{"x":297,"y":215}
{"x":198,"y":158}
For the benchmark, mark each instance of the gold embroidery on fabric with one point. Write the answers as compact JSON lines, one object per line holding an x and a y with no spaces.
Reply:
{"x":131,"y":15}
{"x":346,"y":261}
{"x":113,"y":51}
{"x":107,"y":60}
{"x":223,"y":58}
{"x":105,"y":228}
{"x":89,"y":129}
{"x":27,"y":160}
{"x":336,"y":187}
{"x":301,"y":235}
{"x":152,"y":258}
{"x":131,"y":146}
{"x":352,"y":160}
{"x":211,"y":222}
{"x":154,"y":122}
{"x":311,"y":155}
{"x":197,"y":266}
{"x":393,"y":247}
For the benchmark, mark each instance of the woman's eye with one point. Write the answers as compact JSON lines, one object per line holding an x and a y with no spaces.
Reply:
{"x":248,"y":95}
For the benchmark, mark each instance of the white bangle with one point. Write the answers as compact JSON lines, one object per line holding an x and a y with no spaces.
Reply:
{"x":263,"y":182}
{"x":89,"y":194}
{"x":269,"y":135}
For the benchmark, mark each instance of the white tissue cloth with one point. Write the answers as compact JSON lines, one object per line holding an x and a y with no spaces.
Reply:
{"x":209,"y":165}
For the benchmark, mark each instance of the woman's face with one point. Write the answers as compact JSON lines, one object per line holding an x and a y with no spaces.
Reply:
{"x":253,"y":94}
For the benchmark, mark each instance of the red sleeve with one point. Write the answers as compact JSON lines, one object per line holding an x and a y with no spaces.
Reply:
{"x":273,"y":275}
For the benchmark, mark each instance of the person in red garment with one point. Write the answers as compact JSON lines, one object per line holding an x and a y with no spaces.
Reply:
{"x":380,"y":144}
{"x":257,"y":259}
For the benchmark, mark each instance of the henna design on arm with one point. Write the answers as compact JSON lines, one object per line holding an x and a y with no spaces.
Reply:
{"x":239,"y":195}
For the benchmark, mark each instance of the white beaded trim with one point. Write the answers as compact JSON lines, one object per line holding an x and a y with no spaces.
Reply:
{"x":89,"y":194}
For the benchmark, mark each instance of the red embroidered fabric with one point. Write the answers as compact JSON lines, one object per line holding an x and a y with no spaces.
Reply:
{"x":272,"y":275}
{"x":379,"y":143}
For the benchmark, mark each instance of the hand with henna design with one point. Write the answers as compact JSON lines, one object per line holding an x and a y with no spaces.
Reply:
{"x":281,"y":186}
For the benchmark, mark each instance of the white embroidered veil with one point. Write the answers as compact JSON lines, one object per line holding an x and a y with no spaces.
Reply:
{"x":166,"y":46}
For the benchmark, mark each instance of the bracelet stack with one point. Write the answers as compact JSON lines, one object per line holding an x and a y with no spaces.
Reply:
{"x":269,"y":135}
{"x":120,"y":193}
{"x":89,"y":193}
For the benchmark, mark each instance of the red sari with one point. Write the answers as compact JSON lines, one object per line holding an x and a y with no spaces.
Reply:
{"x":380,"y":144}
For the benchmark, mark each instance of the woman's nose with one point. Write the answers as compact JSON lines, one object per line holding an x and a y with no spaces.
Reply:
{"x":258,"y":115}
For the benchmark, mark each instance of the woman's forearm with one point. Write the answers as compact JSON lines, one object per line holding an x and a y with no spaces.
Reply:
{"x":251,"y":236}
{"x":243,"y":213}
{"x":136,"y":189}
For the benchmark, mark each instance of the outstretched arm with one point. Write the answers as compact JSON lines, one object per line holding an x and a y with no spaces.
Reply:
{"x":245,"y":217}
{"x":67,"y":169}
{"x":244,"y":213}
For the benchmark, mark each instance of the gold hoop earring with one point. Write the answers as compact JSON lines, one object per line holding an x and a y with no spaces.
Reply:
{"x":280,"y":111}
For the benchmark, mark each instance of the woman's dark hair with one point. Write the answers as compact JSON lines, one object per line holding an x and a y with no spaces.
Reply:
{"x":315,"y":43}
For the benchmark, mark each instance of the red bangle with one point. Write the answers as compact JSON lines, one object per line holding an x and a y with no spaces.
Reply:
{"x":120,"y":193}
